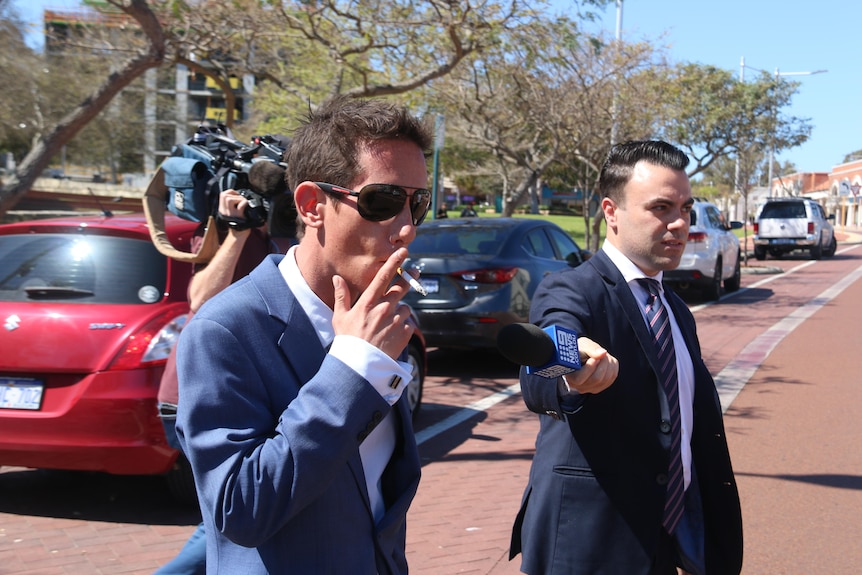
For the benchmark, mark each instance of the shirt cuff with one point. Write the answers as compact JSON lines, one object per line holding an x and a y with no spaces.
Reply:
{"x":388,"y":376}
{"x":570,"y":401}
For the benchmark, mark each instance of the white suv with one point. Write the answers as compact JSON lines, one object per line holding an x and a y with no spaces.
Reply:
{"x":787,"y":224}
{"x":711,"y":255}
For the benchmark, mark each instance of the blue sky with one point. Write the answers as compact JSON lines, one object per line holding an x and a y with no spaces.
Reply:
{"x":791,"y":36}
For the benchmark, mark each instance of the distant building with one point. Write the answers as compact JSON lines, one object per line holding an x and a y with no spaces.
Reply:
{"x":845,"y":185}
{"x":175,"y":99}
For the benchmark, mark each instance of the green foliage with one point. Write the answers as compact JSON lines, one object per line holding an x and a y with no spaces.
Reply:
{"x":711,"y":115}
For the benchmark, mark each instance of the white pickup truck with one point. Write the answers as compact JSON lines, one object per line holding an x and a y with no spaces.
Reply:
{"x":788,"y":224}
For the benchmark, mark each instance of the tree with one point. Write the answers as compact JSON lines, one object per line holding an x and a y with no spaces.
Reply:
{"x":22,"y":66}
{"x":539,"y":96}
{"x":150,"y":54}
{"x":302,"y":52}
{"x":711,"y":115}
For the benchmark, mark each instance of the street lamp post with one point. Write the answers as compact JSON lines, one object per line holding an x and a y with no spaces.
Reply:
{"x":614,"y":103}
{"x":772,"y":145}
{"x":777,"y":74}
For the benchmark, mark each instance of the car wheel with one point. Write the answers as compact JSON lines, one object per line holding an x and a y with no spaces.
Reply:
{"x":416,"y":359}
{"x":181,"y":482}
{"x":732,"y":283}
{"x":759,"y":252}
{"x":712,"y":290}
{"x":817,"y":251}
{"x":833,"y":246}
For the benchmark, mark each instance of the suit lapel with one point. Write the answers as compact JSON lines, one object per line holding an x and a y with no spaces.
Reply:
{"x":306,"y":358}
{"x":626,"y":302}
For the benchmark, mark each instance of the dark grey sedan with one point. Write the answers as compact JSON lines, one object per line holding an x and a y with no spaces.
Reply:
{"x":480,"y":274}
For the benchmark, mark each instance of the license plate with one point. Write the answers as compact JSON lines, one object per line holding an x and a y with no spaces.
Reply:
{"x":782,"y":241}
{"x":430,"y":285}
{"x":20,"y":393}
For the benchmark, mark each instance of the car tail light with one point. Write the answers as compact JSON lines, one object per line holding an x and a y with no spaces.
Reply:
{"x":153,"y":343}
{"x":487,"y":275}
{"x":756,"y":228}
{"x":697,"y":237}
{"x":810,"y":228}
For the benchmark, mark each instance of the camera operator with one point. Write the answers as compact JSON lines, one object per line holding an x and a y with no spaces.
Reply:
{"x":240,"y":250}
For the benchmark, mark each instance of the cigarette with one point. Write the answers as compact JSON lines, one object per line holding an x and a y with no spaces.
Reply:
{"x":412,"y":281}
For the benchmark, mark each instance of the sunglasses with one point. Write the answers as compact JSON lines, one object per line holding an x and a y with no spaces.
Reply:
{"x":379,"y":202}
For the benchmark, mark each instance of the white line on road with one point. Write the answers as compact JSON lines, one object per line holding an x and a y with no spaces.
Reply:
{"x":736,"y":374}
{"x":466,"y":413}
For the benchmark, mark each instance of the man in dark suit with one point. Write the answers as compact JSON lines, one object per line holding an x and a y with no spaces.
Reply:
{"x":631,"y":474}
{"x":290,"y":390}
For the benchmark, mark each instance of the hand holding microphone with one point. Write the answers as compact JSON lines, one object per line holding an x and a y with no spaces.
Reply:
{"x":557,"y":351}
{"x":549,"y":352}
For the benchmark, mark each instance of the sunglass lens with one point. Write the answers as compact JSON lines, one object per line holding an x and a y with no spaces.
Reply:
{"x":419,"y":204}
{"x":380,"y":202}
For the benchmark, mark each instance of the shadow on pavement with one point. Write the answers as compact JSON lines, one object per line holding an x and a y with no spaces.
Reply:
{"x":91,"y":496}
{"x":839,"y":480}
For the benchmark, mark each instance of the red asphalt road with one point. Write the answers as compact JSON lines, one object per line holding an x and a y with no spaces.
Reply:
{"x":794,"y":435}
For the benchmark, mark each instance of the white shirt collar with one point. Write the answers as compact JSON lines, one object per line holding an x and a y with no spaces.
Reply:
{"x":629,"y":270}
{"x":318,"y":312}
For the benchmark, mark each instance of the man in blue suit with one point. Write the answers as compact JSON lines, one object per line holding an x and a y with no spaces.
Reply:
{"x":291,"y":409}
{"x":610,"y":490}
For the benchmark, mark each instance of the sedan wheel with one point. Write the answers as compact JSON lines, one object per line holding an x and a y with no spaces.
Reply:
{"x":414,"y":389}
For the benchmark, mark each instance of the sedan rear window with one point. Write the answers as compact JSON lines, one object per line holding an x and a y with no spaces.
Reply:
{"x":445,"y":240}
{"x":75,"y":268}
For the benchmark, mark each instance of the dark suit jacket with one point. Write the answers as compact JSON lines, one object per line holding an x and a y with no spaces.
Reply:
{"x":272,"y":425}
{"x":596,"y":492}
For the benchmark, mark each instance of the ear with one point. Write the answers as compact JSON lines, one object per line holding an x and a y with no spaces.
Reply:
{"x":609,"y":209}
{"x":309,"y":200}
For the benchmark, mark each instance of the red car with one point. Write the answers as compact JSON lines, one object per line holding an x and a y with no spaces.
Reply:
{"x":90,"y":311}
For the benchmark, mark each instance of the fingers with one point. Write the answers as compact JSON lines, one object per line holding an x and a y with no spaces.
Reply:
{"x":342,"y":296}
{"x":231,"y":204}
{"x":377,"y":316}
{"x":380,"y":285}
{"x":599,"y":369}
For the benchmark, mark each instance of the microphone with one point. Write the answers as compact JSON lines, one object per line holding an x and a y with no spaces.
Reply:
{"x":548,"y":353}
{"x":266,"y":179}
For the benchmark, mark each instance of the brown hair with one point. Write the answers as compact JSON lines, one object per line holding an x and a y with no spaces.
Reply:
{"x":326,"y":147}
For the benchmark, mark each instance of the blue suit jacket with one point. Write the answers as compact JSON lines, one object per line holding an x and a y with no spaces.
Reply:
{"x":596,"y":492}
{"x":272,"y":425}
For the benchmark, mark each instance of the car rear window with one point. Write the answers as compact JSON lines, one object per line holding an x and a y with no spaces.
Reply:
{"x":784,"y":210}
{"x":446,"y":240}
{"x":75,"y":268}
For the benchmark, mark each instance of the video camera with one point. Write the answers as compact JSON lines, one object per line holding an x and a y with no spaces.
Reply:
{"x":212,"y":161}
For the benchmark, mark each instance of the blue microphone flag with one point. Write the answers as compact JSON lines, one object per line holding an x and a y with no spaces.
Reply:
{"x":565,"y":360}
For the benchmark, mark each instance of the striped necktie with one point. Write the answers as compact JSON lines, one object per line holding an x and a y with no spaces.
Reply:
{"x":659,"y":324}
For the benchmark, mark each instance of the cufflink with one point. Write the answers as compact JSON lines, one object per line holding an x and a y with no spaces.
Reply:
{"x":395,"y":381}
